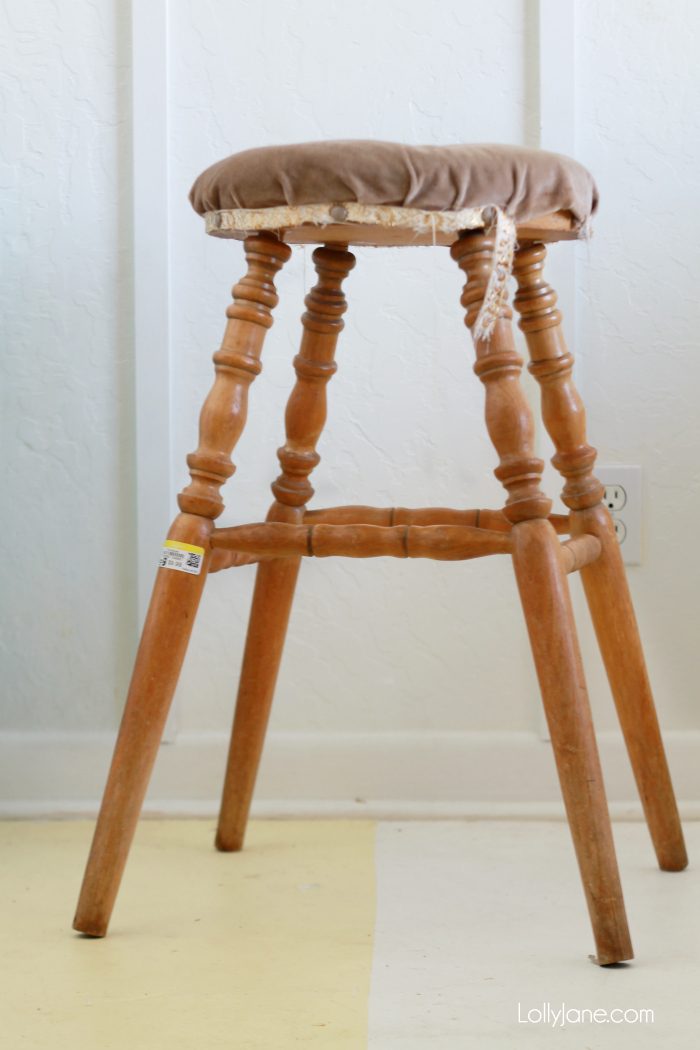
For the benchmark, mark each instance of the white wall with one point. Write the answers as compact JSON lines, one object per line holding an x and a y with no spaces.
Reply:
{"x":638,"y":129}
{"x":399,"y":681}
{"x":68,"y":492}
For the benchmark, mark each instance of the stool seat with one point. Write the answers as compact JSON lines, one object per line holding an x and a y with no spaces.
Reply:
{"x":368,"y":192}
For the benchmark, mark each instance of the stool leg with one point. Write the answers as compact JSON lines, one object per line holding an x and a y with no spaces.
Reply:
{"x":176,"y":594}
{"x":276,"y":579}
{"x":605,"y":580}
{"x":544,"y":593}
{"x":275,"y":584}
{"x":546,"y":603}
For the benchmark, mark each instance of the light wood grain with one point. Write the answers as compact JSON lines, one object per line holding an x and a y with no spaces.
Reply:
{"x":226,"y":557}
{"x":508,"y":417}
{"x":551,"y":364}
{"x":276,"y":580}
{"x":604,"y":580}
{"x":615,"y":623}
{"x":439,"y":542}
{"x":540,"y":572}
{"x":550,"y":622}
{"x":359,"y":514}
{"x":579,"y":552}
{"x":525,"y":527}
{"x":237,"y":364}
{"x":176,"y":594}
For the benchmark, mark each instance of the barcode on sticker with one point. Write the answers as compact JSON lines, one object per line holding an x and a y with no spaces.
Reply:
{"x":184,"y":557}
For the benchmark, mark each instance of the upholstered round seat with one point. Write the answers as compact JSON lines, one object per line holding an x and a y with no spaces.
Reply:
{"x":430,"y":192}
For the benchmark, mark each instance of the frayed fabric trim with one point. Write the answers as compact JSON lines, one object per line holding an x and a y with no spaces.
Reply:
{"x":501,"y":269}
{"x":418,"y":219}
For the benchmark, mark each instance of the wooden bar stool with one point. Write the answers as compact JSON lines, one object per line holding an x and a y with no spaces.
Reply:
{"x":474,"y":199}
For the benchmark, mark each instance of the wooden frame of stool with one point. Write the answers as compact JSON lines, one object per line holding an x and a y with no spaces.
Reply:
{"x":525,"y":528}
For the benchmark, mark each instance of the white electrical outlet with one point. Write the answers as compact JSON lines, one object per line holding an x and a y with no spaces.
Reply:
{"x":623,"y":498}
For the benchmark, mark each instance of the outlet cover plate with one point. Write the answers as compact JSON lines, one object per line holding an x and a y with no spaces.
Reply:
{"x":623,"y":498}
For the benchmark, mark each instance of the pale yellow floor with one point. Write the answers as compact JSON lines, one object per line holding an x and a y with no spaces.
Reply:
{"x":270,"y":947}
{"x":425,"y":935}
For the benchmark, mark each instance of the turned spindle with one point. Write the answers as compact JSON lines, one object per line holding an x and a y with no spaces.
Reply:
{"x":498,"y":366}
{"x":275,"y":581}
{"x":440,"y":542}
{"x":551,"y":364}
{"x":604,"y":580}
{"x":540,"y":569}
{"x":176,"y":594}
{"x":314,"y":365}
{"x":236,"y":363}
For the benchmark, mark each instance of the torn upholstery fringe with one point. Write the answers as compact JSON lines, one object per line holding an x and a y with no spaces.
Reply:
{"x":501,"y":269}
{"x":418,"y":219}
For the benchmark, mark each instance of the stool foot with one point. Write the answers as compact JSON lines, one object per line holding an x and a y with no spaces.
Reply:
{"x":161,"y":652}
{"x":612,"y":612}
{"x":275,"y":583}
{"x":546,"y":602}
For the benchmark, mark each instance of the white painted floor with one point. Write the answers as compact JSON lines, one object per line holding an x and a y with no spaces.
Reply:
{"x":475,"y":918}
{"x":338,"y":934}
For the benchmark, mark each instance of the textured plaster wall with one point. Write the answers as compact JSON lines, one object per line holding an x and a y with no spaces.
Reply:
{"x":379,"y":644}
{"x":66,"y":362}
{"x":638,"y":129}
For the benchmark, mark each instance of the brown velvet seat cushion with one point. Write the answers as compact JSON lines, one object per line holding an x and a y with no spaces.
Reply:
{"x":523,"y":182}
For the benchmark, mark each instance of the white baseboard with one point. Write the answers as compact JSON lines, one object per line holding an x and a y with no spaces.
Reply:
{"x":390,"y":775}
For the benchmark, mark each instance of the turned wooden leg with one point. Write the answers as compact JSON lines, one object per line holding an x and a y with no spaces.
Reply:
{"x":179,"y":584}
{"x":276,"y":580}
{"x":612,"y":612}
{"x":544,"y":592}
{"x":604,"y":581}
